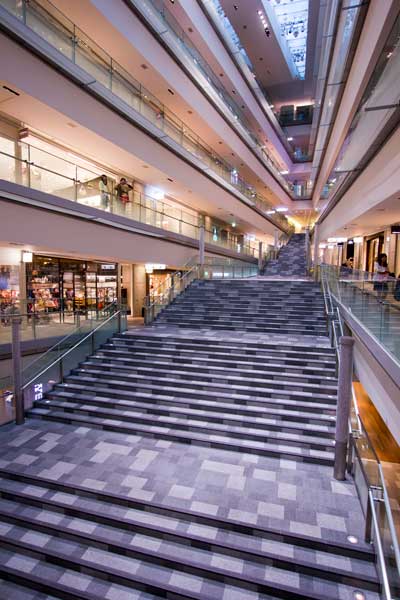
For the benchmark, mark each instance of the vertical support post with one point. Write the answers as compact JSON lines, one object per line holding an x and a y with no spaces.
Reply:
{"x":201,"y":248}
{"x":308,"y":253}
{"x":316,"y":251}
{"x":260,"y":257}
{"x":346,"y":344}
{"x":276,"y":240}
{"x":17,"y":369}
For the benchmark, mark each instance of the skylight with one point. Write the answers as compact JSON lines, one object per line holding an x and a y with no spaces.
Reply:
{"x":292,"y":19}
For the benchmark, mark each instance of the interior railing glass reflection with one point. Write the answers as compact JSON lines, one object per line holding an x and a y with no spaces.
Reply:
{"x":377,"y":115}
{"x":148,"y":9}
{"x":373,"y":303}
{"x":35,"y":168}
{"x":65,"y":37}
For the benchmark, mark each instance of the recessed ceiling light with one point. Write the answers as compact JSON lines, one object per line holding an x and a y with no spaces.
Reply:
{"x":290,"y":139}
{"x":145,"y":166}
{"x":144,"y":66}
{"x":282,"y":209}
{"x":190,"y":112}
{"x":171,"y":92}
{"x":190,"y":30}
{"x":169,"y":179}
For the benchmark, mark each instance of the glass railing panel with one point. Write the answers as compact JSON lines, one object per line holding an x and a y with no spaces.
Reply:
{"x":15,"y":7}
{"x":58,"y":31}
{"x":125,"y":90}
{"x":52,"y":183}
{"x":50,"y":22}
{"x":45,"y":160}
{"x":92,"y":59}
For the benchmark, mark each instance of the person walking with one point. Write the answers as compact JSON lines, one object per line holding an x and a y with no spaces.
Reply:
{"x":104,"y":193}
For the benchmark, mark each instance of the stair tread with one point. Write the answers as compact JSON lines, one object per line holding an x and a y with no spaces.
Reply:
{"x":172,"y":392}
{"x":200,"y":412}
{"x":226,"y":441}
{"x":239,"y":385}
{"x":165,"y":420}
{"x":260,"y":405}
{"x":219,"y":372}
{"x":170,"y":357}
{"x":145,"y":531}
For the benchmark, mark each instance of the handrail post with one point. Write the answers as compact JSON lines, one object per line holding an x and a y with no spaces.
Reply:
{"x":201,"y":248}
{"x":346,"y":344}
{"x":17,"y":369}
{"x":260,"y":257}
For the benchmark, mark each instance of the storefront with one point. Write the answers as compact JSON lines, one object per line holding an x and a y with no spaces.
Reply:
{"x":159,"y":281}
{"x":70,"y":285}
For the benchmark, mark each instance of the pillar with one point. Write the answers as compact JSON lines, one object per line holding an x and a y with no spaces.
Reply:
{"x":345,"y":382}
{"x":276,"y":239}
{"x":201,"y":245}
{"x":139,"y":289}
{"x":260,"y":256}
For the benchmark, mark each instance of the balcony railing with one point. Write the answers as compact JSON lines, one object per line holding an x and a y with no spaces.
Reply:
{"x":35,"y":168}
{"x":156,"y":12}
{"x":65,"y":37}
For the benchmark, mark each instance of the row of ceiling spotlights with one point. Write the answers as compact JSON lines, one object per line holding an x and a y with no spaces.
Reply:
{"x":264,"y":22}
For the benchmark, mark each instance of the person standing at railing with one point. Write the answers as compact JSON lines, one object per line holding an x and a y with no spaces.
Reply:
{"x":104,"y":193}
{"x":381,"y":273}
{"x":123,"y":189}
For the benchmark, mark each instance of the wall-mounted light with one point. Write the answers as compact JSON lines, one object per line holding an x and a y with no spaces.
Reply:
{"x":27,"y":256}
{"x":282,"y":209}
{"x":233,"y":224}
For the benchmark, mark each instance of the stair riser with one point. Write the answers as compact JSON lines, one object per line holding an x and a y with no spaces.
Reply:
{"x":187,"y":429}
{"x":231,"y":446}
{"x":203,"y":383}
{"x":275,"y":398}
{"x":241,"y":420}
{"x":133,"y":363}
{"x":295,"y":411}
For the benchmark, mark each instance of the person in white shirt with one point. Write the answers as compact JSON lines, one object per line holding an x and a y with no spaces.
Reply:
{"x":381,"y":274}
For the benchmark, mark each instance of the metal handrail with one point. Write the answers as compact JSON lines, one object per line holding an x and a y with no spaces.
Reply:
{"x":379,"y":547}
{"x":86,"y":337}
{"x":361,"y":431}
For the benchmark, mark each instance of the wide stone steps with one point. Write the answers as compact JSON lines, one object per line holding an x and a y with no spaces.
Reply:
{"x":251,"y":309}
{"x":241,"y":326}
{"x":169,"y":357}
{"x":99,"y":537}
{"x":218,"y":384}
{"x":189,"y":424}
{"x":258,"y":418}
{"x":250,"y":316}
{"x":231,"y":349}
{"x":174,"y":364}
{"x":210,"y":440}
{"x":131,"y":365}
{"x":290,"y":410}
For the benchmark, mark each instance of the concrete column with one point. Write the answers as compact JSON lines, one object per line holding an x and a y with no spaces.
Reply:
{"x":139,"y":289}
{"x":260,"y":256}
{"x":201,"y":245}
{"x":17,"y":370}
{"x":276,"y":239}
{"x":343,"y":406}
{"x":316,"y":249}
{"x":22,"y":287}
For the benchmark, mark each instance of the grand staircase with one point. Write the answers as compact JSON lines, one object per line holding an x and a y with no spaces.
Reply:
{"x":189,"y":391}
{"x":252,"y":306}
{"x":291,"y":261}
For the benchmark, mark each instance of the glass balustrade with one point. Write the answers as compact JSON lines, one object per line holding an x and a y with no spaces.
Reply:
{"x":51,"y":25}
{"x":375,"y":118}
{"x":38,"y":169}
{"x":239,"y":121}
{"x":372,"y":303}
